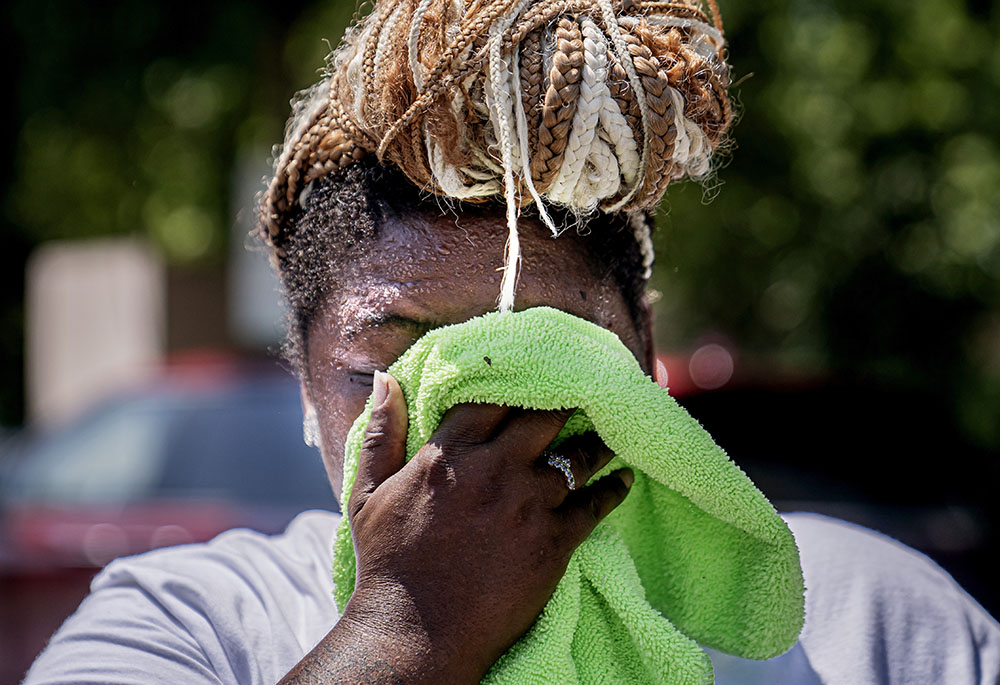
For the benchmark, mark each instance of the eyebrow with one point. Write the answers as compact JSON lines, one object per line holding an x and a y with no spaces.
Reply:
{"x":391,"y":320}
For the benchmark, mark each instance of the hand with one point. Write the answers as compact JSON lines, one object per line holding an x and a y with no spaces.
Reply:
{"x":459,"y":549}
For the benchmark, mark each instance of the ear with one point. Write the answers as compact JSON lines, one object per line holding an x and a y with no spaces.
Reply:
{"x":307,"y":404}
{"x":310,"y":421}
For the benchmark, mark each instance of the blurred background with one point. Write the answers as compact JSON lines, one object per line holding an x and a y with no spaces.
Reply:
{"x":828,"y":305}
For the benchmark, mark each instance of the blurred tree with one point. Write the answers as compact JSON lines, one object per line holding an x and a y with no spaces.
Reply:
{"x":129,"y":118}
{"x":858,"y":228}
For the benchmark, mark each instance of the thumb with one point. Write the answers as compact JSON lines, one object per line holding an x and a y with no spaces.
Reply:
{"x":383,"y":449}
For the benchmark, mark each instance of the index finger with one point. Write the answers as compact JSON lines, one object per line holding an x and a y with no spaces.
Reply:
{"x":470,"y":424}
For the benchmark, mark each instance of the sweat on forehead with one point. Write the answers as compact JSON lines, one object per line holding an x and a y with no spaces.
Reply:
{"x":339,"y":228}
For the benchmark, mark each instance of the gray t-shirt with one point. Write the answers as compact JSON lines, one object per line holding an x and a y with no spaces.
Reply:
{"x":245,"y":608}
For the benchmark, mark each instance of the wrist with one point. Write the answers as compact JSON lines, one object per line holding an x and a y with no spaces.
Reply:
{"x":384,"y":623}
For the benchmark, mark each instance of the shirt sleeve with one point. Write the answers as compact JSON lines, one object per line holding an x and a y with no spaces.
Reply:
{"x":243,"y":608}
{"x":121,"y":634}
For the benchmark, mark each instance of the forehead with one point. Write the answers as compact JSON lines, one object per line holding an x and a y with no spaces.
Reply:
{"x":445,"y":269}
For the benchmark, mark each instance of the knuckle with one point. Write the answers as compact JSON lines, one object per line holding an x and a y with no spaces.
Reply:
{"x":378,"y":419}
{"x":354,"y":507}
{"x":581,"y":520}
{"x":588,"y":458}
{"x":590,"y":514}
{"x":610,"y":496}
{"x":593,"y":451}
{"x":438,"y":466}
{"x":376,"y":441}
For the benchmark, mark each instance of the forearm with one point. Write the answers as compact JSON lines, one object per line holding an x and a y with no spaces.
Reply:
{"x":340,"y":658}
{"x":381,"y":643}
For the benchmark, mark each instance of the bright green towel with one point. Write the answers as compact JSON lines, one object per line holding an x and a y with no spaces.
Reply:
{"x":695,"y":554}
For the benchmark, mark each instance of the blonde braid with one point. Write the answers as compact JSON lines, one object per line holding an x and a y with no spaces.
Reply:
{"x":413,"y":44}
{"x":584,"y":104}
{"x":661,"y":122}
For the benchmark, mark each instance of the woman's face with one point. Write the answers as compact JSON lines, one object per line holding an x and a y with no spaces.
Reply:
{"x":423,"y":273}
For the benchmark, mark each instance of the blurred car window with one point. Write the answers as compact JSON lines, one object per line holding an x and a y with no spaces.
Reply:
{"x":248,"y":448}
{"x":239,"y":442}
{"x":112,"y":457}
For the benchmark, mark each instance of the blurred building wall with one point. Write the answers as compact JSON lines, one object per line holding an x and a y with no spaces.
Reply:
{"x":94,"y":320}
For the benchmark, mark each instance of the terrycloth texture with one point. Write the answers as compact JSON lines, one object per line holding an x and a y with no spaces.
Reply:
{"x":695,"y":554}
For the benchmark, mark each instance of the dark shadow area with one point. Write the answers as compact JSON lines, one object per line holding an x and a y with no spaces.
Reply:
{"x":887,"y":459}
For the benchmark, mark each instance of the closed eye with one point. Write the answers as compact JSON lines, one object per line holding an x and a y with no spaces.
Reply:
{"x":365,"y":378}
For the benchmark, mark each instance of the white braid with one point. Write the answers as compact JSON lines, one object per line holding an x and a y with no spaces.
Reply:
{"x":639,"y":92}
{"x":639,"y":224}
{"x":479,"y":174}
{"x":354,"y":75}
{"x":498,"y":82}
{"x":692,"y":152}
{"x":602,"y":172}
{"x":619,"y":135}
{"x":525,"y":154}
{"x":487,"y":161}
{"x":614,"y":133}
{"x":583,"y":132}
{"x":413,"y":44}
{"x":450,"y":179}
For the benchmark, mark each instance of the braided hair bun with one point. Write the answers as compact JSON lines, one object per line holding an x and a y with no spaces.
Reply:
{"x":585,"y":104}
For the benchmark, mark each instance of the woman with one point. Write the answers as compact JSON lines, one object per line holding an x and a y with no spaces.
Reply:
{"x":449,"y":139}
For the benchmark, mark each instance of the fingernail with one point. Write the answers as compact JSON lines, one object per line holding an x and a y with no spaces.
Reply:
{"x":660,"y":374}
{"x":628,"y":477}
{"x":381,"y":388}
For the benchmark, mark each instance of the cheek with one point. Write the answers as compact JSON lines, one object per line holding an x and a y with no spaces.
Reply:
{"x":337,"y":406}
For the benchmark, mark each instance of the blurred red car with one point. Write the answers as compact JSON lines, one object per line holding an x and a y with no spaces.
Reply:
{"x":206,"y":447}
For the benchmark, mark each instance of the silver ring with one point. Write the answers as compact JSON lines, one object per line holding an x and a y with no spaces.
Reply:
{"x":562,"y":463}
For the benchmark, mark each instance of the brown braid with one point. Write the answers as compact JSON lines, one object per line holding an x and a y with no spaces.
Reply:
{"x":560,"y":103}
{"x":532,"y":82}
{"x":438,"y":79}
{"x":627,"y":105}
{"x":661,"y":120}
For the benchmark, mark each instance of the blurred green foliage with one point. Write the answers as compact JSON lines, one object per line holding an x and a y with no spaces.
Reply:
{"x":854,"y":227}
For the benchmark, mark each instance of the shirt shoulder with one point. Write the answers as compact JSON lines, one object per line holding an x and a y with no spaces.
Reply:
{"x":878,"y":611}
{"x":242,"y":608}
